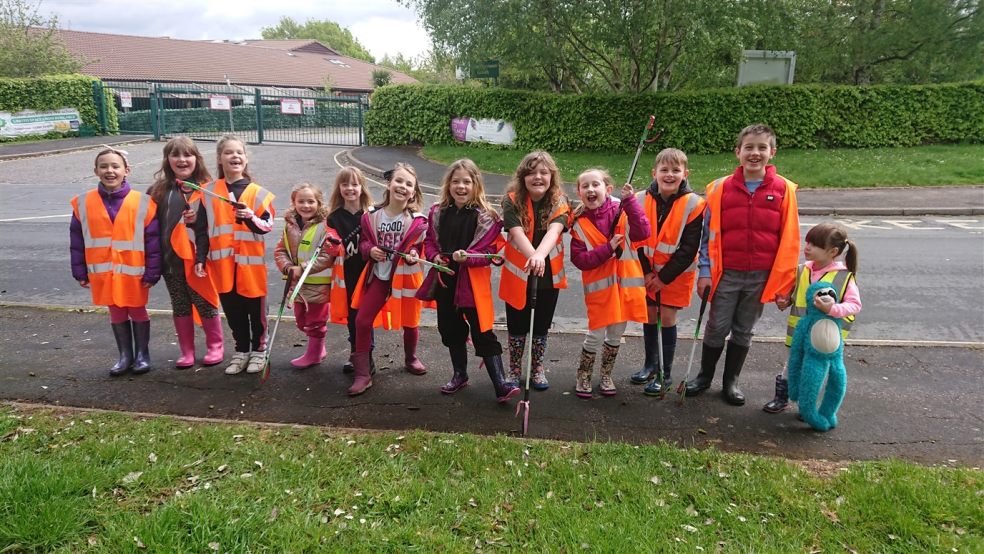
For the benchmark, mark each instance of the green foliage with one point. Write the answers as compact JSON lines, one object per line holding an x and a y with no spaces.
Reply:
{"x":195,"y":120}
{"x":29,"y":45}
{"x":697,"y":122}
{"x":57,"y":91}
{"x":326,"y":32}
{"x":381,"y":78}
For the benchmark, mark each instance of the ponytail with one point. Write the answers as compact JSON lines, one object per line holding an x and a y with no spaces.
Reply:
{"x":851,"y":256}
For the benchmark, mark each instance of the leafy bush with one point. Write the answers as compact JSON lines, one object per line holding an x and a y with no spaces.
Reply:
{"x":54,"y":92}
{"x":699,"y":122}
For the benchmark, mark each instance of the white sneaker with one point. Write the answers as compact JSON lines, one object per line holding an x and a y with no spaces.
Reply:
{"x":238,"y":363}
{"x":256,"y":362}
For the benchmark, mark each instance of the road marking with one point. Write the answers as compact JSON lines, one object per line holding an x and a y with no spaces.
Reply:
{"x":961,"y":223}
{"x":33,"y":218}
{"x":908,"y":224}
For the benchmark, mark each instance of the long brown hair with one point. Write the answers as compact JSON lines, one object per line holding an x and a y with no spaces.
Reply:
{"x":555,"y":193}
{"x":165,"y":178}
{"x":478,"y":187}
{"x":319,"y":196}
{"x":416,"y":202}
{"x":832,"y":235}
{"x":346,"y":174}
{"x":220,"y":146}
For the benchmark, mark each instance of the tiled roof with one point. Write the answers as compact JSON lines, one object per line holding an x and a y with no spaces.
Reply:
{"x":293,"y":45}
{"x":162,"y":59}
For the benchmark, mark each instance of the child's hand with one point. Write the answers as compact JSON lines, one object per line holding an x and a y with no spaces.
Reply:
{"x":627,"y":191}
{"x":703,"y":286}
{"x":459,"y":256}
{"x":294,"y":272}
{"x":84,"y":284}
{"x":190,"y":216}
{"x":441,"y":258}
{"x":200,"y":270}
{"x":653,"y":284}
{"x":145,"y":284}
{"x":244,"y":213}
{"x":823,"y":303}
{"x":377,"y":254}
{"x":783,"y":301}
{"x":535,"y":265}
{"x":616,"y":241}
{"x":413,"y":256}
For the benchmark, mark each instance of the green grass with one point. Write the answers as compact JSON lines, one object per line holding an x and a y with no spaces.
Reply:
{"x":102,"y":482}
{"x":841,"y":168}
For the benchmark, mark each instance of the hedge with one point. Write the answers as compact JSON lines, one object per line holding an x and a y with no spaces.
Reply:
{"x":54,"y":92}
{"x":807,"y":116}
{"x":192,"y":120}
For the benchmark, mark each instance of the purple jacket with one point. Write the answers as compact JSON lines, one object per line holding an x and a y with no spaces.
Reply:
{"x":113,"y":201}
{"x":602,"y":218}
{"x":367,"y":238}
{"x":486,"y":234}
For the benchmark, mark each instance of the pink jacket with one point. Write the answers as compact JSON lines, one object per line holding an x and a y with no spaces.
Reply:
{"x":851,"y":303}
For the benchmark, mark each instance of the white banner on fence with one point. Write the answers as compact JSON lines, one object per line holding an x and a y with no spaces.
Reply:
{"x":495,"y":131}
{"x":126,"y":99}
{"x":290,"y":106}
{"x":219,"y":102}
{"x":30,"y":122}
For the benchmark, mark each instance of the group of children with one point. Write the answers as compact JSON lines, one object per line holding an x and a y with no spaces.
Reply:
{"x":641,"y":255}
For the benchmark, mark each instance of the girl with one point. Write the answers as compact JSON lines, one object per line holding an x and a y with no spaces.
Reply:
{"x":115,"y":252}
{"x":237,"y":252}
{"x":676,"y":219}
{"x":610,"y":271}
{"x":184,"y":246}
{"x":463,"y":223}
{"x":535,"y":213}
{"x":832,"y":257}
{"x":303,"y":232}
{"x":394,"y":226}
{"x":349,"y":200}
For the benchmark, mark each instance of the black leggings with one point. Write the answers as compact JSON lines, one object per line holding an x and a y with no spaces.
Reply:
{"x":455,"y":323}
{"x":247,"y":319}
{"x":518,"y":321}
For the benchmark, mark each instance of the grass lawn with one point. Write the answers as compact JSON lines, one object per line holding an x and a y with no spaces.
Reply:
{"x":104,"y":482}
{"x":924,"y":165}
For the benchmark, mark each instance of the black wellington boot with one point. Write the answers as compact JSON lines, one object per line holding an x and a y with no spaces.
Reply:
{"x":124,"y":342}
{"x":649,"y":367}
{"x":141,"y":340}
{"x":459,"y":365}
{"x":504,"y":390}
{"x":733,"y":362}
{"x":709,"y":356}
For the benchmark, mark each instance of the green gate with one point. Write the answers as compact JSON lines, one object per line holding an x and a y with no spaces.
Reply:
{"x":206,"y":113}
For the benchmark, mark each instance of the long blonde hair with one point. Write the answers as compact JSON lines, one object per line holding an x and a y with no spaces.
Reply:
{"x":605,"y":178}
{"x":478,"y":187}
{"x":319,"y":197}
{"x":518,"y":186}
{"x":219,"y":146}
{"x":349,"y":173}
{"x":416,"y":202}
{"x":165,"y":178}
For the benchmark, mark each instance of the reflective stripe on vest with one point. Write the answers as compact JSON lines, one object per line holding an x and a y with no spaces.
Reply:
{"x":614,"y":292}
{"x":310,"y":240}
{"x":838,"y":280}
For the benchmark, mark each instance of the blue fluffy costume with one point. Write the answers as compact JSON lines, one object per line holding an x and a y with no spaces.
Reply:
{"x":809,"y":367}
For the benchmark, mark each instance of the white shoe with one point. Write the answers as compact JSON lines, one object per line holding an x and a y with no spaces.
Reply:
{"x":256,"y":362}
{"x":238,"y":363}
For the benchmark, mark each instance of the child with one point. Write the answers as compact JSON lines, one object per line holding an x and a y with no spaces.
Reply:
{"x":184,"y":248}
{"x":237,"y":253}
{"x":349,"y":200}
{"x":676,"y":214}
{"x":535,"y":213}
{"x":115,"y":252}
{"x":748,"y":255}
{"x":826,"y":244}
{"x":614,"y":291}
{"x":394,"y":226}
{"x":463,"y":223}
{"x":304,"y":231}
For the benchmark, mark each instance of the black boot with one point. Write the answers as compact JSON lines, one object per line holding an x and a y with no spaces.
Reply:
{"x":733,"y":362}
{"x":649,"y":367}
{"x":141,"y":340}
{"x":668,"y":343}
{"x":504,"y":390}
{"x":709,"y":356}
{"x":459,"y":364}
{"x":781,"y":401}
{"x":124,"y":342}
{"x":348,"y":367}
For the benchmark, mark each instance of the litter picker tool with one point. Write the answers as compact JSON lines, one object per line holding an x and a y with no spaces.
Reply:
{"x":496,"y":259}
{"x":205,"y":191}
{"x":310,"y":264}
{"x":643,"y":141}
{"x":524,"y":405}
{"x":682,"y":388}
{"x":439,"y":267}
{"x":659,"y":344}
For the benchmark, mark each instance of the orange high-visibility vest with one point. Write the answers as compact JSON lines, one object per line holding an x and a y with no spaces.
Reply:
{"x":183,"y":243}
{"x":615,"y":291}
{"x":481,"y":285}
{"x":235,"y":252}
{"x":512,"y":281}
{"x":782,"y":276}
{"x":658,"y":248}
{"x":338,"y":307}
{"x":114,"y":249}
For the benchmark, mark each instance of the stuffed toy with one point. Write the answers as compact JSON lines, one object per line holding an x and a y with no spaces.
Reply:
{"x":817,"y":353}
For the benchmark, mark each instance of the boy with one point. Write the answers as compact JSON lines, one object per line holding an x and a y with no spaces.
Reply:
{"x":676,"y":217}
{"x":748,"y":255}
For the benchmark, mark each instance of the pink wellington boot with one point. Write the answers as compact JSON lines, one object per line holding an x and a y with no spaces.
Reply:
{"x":412,"y":362}
{"x":213,"y":341}
{"x":314,"y":354}
{"x":363,"y":380}
{"x":185,"y":326}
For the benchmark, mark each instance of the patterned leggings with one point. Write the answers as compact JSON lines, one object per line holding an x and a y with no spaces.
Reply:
{"x":183,"y":296}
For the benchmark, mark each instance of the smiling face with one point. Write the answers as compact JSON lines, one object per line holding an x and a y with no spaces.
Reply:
{"x":183,"y":164}
{"x":233,"y":160}
{"x":754,"y":154}
{"x":306,"y":203}
{"x":351,"y":191}
{"x":592,"y":189}
{"x":112,"y":170}
{"x":462,"y":187}
{"x":669,"y":177}
{"x":402,"y":186}
{"x":537,"y":181}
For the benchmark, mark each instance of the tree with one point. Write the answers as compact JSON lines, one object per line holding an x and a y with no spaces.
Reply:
{"x":326,"y":32}
{"x":381,"y":78}
{"x":29,"y":44}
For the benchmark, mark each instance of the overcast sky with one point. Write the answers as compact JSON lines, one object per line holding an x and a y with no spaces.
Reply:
{"x":381,"y":26}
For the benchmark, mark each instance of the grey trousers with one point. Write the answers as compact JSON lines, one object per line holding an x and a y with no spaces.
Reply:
{"x":735,"y":308}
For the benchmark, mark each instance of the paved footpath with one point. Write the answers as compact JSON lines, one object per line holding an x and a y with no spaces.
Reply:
{"x":919,"y":403}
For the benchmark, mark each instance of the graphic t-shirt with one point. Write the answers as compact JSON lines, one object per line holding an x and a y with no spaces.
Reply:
{"x":389,"y":233}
